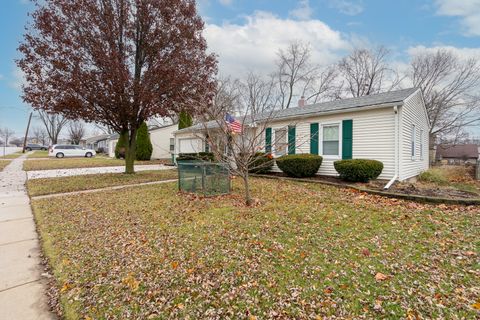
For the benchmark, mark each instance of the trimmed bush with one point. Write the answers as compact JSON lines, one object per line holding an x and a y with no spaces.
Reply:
{"x":358,"y":170}
{"x":261,"y":163}
{"x":121,"y":145}
{"x":144,"y":148}
{"x":201,"y":156}
{"x":299,"y":165}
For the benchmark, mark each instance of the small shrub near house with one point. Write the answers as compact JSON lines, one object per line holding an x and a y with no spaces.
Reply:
{"x":261,"y":163}
{"x":358,"y":170}
{"x":299,"y":165}
{"x":201,"y":156}
{"x":433,"y":176}
{"x":144,"y":148}
{"x":121,"y":146}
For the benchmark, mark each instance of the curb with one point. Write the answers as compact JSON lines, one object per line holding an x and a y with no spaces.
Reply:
{"x":411,"y":197}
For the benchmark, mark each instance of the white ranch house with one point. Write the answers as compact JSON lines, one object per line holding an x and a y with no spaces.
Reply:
{"x":391,"y":127}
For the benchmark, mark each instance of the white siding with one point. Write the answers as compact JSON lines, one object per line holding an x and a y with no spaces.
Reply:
{"x":373,"y":137}
{"x":160,"y":139}
{"x":413,"y":113}
{"x":188,"y":136}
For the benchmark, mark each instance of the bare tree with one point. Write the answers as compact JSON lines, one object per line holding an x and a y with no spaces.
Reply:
{"x":76,"y":131}
{"x":321,"y":85}
{"x":293,"y":71}
{"x":450,"y":88}
{"x":6,"y":133}
{"x":257,"y":94}
{"x":53,"y":123}
{"x":225,"y":98}
{"x":40,"y":135}
{"x":366,"y":71}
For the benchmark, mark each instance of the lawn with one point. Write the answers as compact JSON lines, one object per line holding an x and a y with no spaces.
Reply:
{"x":303,"y":251}
{"x":37,"y":187}
{"x":68,"y":163}
{"x":11,"y":155}
{"x":38,"y":154}
{"x":3,"y":164}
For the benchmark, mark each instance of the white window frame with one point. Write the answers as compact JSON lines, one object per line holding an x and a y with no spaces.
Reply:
{"x":274,"y":140}
{"x":421,"y":144}
{"x":413,"y":145}
{"x":320,"y":140}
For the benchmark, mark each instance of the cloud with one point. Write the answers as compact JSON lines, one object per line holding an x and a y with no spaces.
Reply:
{"x":226,"y":2}
{"x":462,"y":53}
{"x":254,"y":44}
{"x":303,"y":11}
{"x":351,"y":8}
{"x":18,"y":79}
{"x":1,"y":77}
{"x":467,"y":10}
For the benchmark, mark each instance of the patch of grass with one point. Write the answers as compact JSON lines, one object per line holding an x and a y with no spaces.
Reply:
{"x":37,"y":187}
{"x":69,"y":163}
{"x":3,"y":164}
{"x":38,"y":154}
{"x":304,"y":251}
{"x":433,"y":176}
{"x":12,"y":155}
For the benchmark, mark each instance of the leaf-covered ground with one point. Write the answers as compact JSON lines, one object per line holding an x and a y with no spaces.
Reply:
{"x":68,"y":163}
{"x":303,"y":251}
{"x":3,"y":164}
{"x":44,"y":186}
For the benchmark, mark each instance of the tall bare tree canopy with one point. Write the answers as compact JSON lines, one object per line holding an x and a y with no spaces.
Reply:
{"x":53,"y":122}
{"x":117,"y":62}
{"x":450,"y":88}
{"x":366,"y":71}
{"x":40,"y":135}
{"x":76,"y":131}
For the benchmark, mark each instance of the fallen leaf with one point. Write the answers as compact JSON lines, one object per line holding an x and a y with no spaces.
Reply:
{"x":174,"y":265}
{"x":381,"y":277}
{"x":366,"y":252}
{"x":476,"y":305}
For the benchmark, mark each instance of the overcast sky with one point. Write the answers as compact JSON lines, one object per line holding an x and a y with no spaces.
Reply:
{"x":246,"y":34}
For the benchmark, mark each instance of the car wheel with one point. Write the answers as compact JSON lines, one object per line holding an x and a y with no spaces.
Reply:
{"x":60,"y":155}
{"x":88,"y":154}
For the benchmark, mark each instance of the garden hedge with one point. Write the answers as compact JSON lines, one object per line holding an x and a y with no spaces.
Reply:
{"x":299,"y":165}
{"x":201,"y":156}
{"x":261,"y":163}
{"x":144,"y":148}
{"x":358,"y":170}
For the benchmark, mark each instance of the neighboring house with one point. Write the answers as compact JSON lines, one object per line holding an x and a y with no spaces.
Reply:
{"x":457,"y":154}
{"x":162,"y":141}
{"x":98,"y":143}
{"x":391,"y":127}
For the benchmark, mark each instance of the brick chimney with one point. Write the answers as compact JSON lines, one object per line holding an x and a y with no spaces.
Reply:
{"x":301,"y":102}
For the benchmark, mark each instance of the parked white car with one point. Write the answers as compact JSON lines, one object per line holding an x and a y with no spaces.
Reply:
{"x":65,"y":150}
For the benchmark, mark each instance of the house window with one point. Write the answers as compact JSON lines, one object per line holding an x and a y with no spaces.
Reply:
{"x":421,"y":144}
{"x":412,"y":140}
{"x":281,"y":143}
{"x":172,"y":144}
{"x":331,"y":140}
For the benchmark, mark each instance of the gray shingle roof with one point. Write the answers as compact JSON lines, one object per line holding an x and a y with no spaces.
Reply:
{"x":386,"y":98}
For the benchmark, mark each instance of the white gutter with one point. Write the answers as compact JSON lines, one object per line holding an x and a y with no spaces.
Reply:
{"x":397,"y":153}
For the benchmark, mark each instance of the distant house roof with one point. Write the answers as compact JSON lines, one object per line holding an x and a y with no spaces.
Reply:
{"x":458,"y":151}
{"x":115,"y":136}
{"x":97,"y":138}
{"x":375,"y":100}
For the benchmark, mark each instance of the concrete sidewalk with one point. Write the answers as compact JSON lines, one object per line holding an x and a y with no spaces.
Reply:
{"x":22,"y":288}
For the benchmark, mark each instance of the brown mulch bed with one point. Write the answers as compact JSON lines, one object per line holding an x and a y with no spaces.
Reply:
{"x":406,"y":188}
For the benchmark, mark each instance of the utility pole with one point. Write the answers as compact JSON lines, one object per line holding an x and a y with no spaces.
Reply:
{"x":26,"y":132}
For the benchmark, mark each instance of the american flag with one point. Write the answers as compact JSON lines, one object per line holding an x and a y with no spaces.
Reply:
{"x":233,"y":124}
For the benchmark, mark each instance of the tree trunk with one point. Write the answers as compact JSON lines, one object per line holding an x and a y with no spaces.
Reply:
{"x":248,"y":198}
{"x":130,"y":152}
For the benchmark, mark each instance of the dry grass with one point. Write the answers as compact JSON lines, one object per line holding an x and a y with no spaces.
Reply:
{"x":3,"y":164}
{"x":38,"y":154}
{"x":458,"y":177}
{"x":304,"y":251}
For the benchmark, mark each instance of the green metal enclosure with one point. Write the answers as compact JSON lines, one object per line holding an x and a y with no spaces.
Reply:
{"x":206,"y":178}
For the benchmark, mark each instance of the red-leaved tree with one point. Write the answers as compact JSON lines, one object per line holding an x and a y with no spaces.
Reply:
{"x":117,"y":62}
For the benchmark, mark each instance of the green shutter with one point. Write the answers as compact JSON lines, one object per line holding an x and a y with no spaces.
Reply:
{"x":291,"y":139}
{"x":268,"y":140}
{"x":314,"y":138}
{"x":347,"y":139}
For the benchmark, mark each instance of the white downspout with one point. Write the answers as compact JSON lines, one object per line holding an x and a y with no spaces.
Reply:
{"x":395,"y":176}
